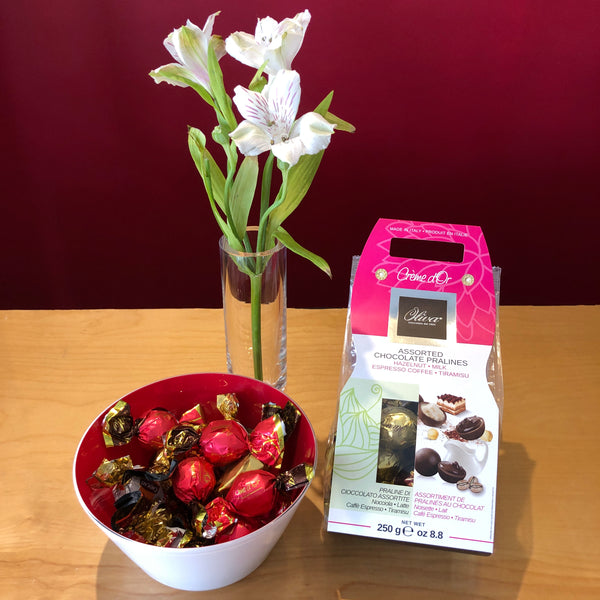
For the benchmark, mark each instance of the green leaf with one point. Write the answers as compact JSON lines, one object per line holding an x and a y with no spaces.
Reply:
{"x":257,"y":84}
{"x":340,"y":124}
{"x":222,"y":100}
{"x":258,"y":81}
{"x":202,"y":158}
{"x":220,"y":137}
{"x":242,"y":194}
{"x":300,"y":178}
{"x":324,"y":105}
{"x":222,"y":223}
{"x":286,"y":239}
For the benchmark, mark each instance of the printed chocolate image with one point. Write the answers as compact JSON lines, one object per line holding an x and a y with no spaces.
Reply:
{"x":451,"y":472}
{"x":431,"y":414}
{"x":427,"y":461}
{"x":471,"y":428}
{"x":452,"y":404}
{"x":397,"y":441}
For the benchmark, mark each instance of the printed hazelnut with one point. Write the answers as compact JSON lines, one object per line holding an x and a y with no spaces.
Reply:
{"x":432,"y":434}
{"x":487,"y":436}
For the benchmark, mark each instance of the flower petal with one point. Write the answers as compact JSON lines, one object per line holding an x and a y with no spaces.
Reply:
{"x":243,"y":47}
{"x":207,"y":37}
{"x":250,"y":139}
{"x":174,"y":74}
{"x":267,"y":32}
{"x":192,"y":48}
{"x":274,"y":43}
{"x":170,"y":46}
{"x":208,"y":25}
{"x":314,"y":131}
{"x":253,"y":107}
{"x":283,"y":96}
{"x":294,"y":30}
{"x":289,"y":151}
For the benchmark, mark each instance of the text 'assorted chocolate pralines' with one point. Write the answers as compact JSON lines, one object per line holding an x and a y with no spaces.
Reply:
{"x":414,"y":453}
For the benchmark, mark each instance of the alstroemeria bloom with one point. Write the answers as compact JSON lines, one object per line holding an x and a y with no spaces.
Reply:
{"x":189,"y":45}
{"x":274,"y":43}
{"x":270,"y":121}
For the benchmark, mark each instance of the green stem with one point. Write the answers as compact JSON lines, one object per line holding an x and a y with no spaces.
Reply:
{"x":265,"y":188}
{"x":228,"y":185}
{"x":255,"y":306}
{"x":264,"y":219}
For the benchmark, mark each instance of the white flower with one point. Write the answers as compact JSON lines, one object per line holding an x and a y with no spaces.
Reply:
{"x":189,"y":45}
{"x":270,"y":121}
{"x":274,"y":43}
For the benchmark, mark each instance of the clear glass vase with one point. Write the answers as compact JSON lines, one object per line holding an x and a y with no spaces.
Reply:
{"x":254,"y":287}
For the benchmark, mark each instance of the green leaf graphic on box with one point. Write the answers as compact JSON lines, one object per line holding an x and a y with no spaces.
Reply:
{"x":353,"y":463}
{"x":358,"y":437}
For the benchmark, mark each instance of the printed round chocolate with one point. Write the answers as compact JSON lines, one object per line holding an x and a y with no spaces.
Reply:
{"x":431,"y":414}
{"x":451,"y":472}
{"x":471,"y":428}
{"x":426,"y":462}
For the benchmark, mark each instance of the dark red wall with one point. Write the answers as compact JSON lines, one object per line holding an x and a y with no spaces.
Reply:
{"x":467,"y":112}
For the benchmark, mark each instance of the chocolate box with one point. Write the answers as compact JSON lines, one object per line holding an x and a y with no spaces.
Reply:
{"x":413,"y":453}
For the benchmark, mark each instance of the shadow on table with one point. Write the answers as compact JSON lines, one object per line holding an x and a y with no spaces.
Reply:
{"x":310,"y":563}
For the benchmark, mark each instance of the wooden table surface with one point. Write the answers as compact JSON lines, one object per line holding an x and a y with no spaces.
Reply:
{"x":59,"y":369}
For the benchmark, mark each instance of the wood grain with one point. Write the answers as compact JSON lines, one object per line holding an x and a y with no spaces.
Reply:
{"x":59,"y":369}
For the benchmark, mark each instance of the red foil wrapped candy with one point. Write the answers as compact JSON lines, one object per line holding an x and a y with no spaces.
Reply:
{"x":193,"y":479}
{"x":257,"y":493}
{"x":266,"y":440}
{"x":239,"y":529}
{"x":223,"y":441}
{"x":152,"y":428}
{"x":194,"y":417}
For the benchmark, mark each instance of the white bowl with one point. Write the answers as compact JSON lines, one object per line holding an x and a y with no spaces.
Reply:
{"x":208,"y":567}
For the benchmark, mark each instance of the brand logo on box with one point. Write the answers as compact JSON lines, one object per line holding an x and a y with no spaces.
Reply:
{"x":439,"y":278}
{"x":422,"y":317}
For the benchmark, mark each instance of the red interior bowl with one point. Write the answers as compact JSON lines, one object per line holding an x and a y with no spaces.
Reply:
{"x":179,"y":394}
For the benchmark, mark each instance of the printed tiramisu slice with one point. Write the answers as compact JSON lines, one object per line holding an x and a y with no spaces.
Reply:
{"x":452,"y":404}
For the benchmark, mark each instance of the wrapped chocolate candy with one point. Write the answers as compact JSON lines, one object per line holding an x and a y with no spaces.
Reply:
{"x":223,"y":441}
{"x":193,"y":479}
{"x":222,"y":523}
{"x":397,"y":442}
{"x":228,"y":405}
{"x":156,"y":527}
{"x":255,"y":493}
{"x":134,"y":494}
{"x":110,"y":472}
{"x":266,"y":440}
{"x":239,"y":529}
{"x":155,"y":424}
{"x":194,"y":417}
{"x":265,"y":449}
{"x":117,"y":425}
{"x":220,"y":515}
{"x":289,"y":414}
{"x":246,"y":463}
{"x":180,"y":441}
